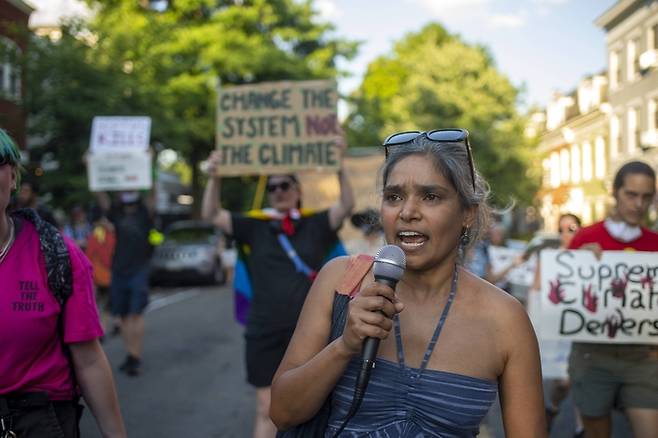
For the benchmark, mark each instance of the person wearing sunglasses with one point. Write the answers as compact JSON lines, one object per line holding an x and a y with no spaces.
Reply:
{"x":286,"y":246}
{"x":450,"y":342}
{"x":624,"y":376}
{"x":50,"y":349}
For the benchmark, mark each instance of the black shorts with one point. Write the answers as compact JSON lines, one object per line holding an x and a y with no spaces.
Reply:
{"x":264,"y":351}
{"x":33,"y":415}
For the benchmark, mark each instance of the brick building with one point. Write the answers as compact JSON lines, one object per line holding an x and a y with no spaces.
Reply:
{"x":14,"y":16}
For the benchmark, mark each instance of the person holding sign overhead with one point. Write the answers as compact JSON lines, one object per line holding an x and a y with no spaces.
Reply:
{"x":604,"y":376}
{"x":286,"y":245}
{"x":450,"y":341}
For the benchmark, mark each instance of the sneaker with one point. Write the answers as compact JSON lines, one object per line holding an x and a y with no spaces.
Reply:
{"x":131,"y":366}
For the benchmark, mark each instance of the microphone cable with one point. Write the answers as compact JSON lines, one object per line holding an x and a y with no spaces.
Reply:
{"x":388,"y":267}
{"x":357,"y":398}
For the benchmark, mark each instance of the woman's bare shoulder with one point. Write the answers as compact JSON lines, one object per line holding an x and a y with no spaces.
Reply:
{"x":501,"y":307}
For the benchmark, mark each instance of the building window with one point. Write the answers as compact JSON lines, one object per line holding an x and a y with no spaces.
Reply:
{"x":632,"y":59}
{"x":587,"y":161}
{"x":10,"y":72}
{"x":615,"y":69}
{"x":555,"y":170}
{"x":615,"y":137}
{"x":564,"y":166}
{"x":652,"y":114}
{"x":575,"y":164}
{"x":633,"y":130}
{"x":599,"y":158}
{"x":653,"y":39}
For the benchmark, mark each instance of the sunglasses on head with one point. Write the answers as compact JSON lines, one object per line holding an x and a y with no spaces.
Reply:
{"x":454,"y":135}
{"x":284,"y":186}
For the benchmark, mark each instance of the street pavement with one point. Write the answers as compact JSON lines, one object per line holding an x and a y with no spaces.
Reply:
{"x":193,"y":379}
{"x":193,"y":382}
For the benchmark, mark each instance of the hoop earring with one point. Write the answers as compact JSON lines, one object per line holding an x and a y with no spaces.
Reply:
{"x":465,"y":237}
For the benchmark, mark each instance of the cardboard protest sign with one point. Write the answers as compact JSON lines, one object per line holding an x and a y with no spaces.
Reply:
{"x":113,"y":171}
{"x":501,"y":257}
{"x":614,"y":300}
{"x":277,"y":127}
{"x":120,"y":133}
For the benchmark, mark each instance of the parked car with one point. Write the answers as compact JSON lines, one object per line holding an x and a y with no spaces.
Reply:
{"x":189,"y":253}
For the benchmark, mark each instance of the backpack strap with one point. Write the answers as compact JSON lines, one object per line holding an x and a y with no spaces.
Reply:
{"x":55,"y":253}
{"x":58,"y":271}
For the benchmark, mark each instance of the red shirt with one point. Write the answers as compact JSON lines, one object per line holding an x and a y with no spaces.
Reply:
{"x":597,"y":233}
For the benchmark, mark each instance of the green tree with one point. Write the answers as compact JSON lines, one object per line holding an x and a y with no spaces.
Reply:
{"x":65,"y":90}
{"x":130,"y":60}
{"x":432,"y":80}
{"x":176,"y":58}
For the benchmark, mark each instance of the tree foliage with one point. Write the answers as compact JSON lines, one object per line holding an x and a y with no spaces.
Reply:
{"x":432,"y":79}
{"x":167,"y":65}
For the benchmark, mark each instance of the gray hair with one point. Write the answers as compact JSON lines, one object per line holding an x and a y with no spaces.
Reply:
{"x":451,"y":160}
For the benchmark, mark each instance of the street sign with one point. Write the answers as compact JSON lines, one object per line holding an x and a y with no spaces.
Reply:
{"x":120,"y":133}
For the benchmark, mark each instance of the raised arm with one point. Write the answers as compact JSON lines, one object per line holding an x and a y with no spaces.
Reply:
{"x":343,"y":208}
{"x":521,"y":394}
{"x":211,"y":209}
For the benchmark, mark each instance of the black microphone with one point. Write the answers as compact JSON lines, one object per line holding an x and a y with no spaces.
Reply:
{"x":388,"y":268}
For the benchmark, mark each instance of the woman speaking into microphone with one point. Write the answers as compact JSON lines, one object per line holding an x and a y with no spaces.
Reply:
{"x":450,"y":342}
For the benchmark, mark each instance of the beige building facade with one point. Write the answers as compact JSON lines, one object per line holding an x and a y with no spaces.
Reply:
{"x":631,"y":28}
{"x":610,"y":119}
{"x":575,"y":153}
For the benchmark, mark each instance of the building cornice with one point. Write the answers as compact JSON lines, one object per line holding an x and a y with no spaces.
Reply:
{"x":22,"y":6}
{"x":554,"y":139}
{"x":613,"y":12}
{"x":576,"y":122}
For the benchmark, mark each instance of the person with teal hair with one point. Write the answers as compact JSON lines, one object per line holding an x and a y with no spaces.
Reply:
{"x":10,"y":155}
{"x":49,"y":326}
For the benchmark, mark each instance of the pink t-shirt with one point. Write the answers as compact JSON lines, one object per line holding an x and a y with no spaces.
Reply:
{"x":31,"y":356}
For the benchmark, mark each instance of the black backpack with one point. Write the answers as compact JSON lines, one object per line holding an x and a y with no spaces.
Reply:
{"x":55,"y":253}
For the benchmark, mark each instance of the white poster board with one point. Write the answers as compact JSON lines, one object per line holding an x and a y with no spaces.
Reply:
{"x":501,"y":257}
{"x":614,"y":300}
{"x":554,"y":353}
{"x":120,"y":133}
{"x":113,"y":171}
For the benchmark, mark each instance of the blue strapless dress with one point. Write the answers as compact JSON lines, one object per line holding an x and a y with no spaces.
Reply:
{"x":401,"y":402}
{"x":404,"y":402}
